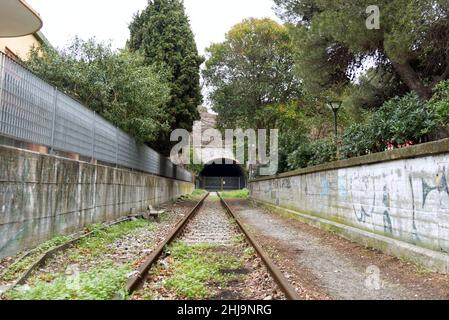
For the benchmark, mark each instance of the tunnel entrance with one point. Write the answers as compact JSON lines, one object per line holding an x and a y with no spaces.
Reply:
{"x":222,"y":177}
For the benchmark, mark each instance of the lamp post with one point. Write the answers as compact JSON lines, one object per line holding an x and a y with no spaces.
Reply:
{"x":335,"y":106}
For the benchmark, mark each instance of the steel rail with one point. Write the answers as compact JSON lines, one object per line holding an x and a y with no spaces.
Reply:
{"x":136,"y":280}
{"x":277,"y":275}
{"x":47,"y":255}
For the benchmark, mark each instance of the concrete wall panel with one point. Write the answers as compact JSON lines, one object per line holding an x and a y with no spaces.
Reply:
{"x":42,"y":196}
{"x":405,"y":199}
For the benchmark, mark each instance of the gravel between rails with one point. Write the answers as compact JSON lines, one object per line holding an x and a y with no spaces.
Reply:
{"x":213,"y":230}
{"x":211,"y":226}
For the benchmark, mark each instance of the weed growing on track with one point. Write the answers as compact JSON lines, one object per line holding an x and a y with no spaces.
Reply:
{"x":92,"y":245}
{"x":197,"y":267}
{"x":97,"y":243}
{"x":16,"y":269}
{"x":101,"y":283}
{"x":96,"y":283}
{"x":238,"y":194}
{"x":197,"y":194}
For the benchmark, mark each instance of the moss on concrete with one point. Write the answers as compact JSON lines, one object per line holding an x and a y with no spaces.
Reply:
{"x":421,"y":150}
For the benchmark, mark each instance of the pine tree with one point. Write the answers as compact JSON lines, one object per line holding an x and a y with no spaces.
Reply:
{"x":162,"y":33}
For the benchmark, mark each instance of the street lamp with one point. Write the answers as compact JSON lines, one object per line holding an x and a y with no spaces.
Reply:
{"x":335,"y":106}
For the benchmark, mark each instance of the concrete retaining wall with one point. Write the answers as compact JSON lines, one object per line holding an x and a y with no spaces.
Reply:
{"x":42,"y":196}
{"x":402,"y":194}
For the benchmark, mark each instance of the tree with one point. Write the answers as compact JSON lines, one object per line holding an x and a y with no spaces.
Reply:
{"x":373,"y":88}
{"x":249,"y":72}
{"x":117,"y":85}
{"x":162,"y":33}
{"x":332,"y":41}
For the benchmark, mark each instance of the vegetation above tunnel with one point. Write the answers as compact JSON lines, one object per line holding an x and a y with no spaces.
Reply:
{"x":393,"y":81}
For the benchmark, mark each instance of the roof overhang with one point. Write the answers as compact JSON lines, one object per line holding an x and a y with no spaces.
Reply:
{"x":18,"y":19}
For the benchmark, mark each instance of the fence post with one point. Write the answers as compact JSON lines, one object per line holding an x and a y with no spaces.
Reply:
{"x":93,"y":137}
{"x":53,"y":124}
{"x":116,"y":147}
{"x":2,"y":83}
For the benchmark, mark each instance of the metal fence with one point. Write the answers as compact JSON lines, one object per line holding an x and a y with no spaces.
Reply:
{"x":34,"y":111}
{"x":221,"y":183}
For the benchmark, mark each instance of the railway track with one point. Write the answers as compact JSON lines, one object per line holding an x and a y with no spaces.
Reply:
{"x":212,"y":224}
{"x":119,"y":245}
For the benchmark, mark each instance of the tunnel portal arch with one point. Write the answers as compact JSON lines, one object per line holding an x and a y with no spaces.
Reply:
{"x":221,"y":175}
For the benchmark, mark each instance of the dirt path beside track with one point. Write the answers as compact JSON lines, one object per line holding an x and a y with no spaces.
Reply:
{"x":325,"y":266}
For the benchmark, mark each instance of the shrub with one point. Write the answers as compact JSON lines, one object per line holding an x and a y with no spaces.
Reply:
{"x":322,"y":151}
{"x":440,"y":102}
{"x":312,"y":153}
{"x":300,"y":157}
{"x":117,"y":85}
{"x":400,"y":121}
{"x":404,"y":119}
{"x":358,"y":140}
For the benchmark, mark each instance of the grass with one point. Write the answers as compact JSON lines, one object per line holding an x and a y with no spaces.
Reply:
{"x":196,"y":268}
{"x":19,"y":267}
{"x":197,"y":194}
{"x":237,"y":194}
{"x":98,"y":242}
{"x":421,"y":269}
{"x":93,"y":245}
{"x":101,"y":283}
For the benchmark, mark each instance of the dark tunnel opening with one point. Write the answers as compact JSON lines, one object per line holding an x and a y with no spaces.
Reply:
{"x":221,"y":176}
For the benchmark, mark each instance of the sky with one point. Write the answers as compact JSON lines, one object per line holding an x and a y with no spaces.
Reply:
{"x":109,"y":19}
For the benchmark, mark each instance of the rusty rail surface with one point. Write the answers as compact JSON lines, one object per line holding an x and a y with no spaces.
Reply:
{"x":277,"y":275}
{"x":136,"y":280}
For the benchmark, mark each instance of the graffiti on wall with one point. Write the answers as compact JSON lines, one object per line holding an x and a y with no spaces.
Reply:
{"x":388,"y":226}
{"x":422,"y":188}
{"x":440,"y":186}
{"x":407,"y":200}
{"x":362,"y":211}
{"x":436,"y":190}
{"x":366,"y":188}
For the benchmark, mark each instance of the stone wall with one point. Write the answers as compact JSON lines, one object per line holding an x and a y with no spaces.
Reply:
{"x":401,"y":194}
{"x":42,"y":196}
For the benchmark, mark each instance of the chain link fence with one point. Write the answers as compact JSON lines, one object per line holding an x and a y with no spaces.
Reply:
{"x":34,"y":111}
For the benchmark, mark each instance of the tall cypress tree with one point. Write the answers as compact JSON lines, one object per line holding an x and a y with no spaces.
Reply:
{"x":162,"y":32}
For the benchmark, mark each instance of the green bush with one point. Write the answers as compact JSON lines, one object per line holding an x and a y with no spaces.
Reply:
{"x":400,"y":121}
{"x":300,"y":157}
{"x":322,"y":151}
{"x":404,"y":119}
{"x":312,"y":153}
{"x":118,"y":85}
{"x":358,"y":140}
{"x":440,"y":102}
